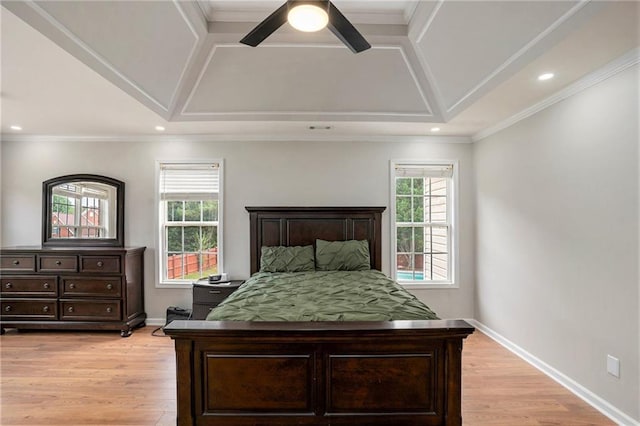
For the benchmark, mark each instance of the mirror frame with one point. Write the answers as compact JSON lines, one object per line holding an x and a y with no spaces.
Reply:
{"x":47,"y":192}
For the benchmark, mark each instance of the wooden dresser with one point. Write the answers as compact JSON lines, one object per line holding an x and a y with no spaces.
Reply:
{"x":82,"y":288}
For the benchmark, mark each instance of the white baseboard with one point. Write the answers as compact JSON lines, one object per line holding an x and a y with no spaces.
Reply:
{"x":583,"y":393}
{"x":155,"y":321}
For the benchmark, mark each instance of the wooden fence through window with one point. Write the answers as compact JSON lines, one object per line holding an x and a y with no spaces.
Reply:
{"x":180,"y":265}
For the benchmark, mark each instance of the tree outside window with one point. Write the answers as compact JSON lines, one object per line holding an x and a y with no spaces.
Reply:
{"x":190,"y":222}
{"x":422,"y":196}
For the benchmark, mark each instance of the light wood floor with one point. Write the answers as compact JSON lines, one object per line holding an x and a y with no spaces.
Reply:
{"x":99,"y":378}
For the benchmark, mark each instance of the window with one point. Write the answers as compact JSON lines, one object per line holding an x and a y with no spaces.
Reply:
{"x":190,"y":218}
{"x":423,"y":225}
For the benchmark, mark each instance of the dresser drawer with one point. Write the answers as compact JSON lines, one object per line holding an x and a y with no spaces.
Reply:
{"x":37,"y":286}
{"x":89,"y":310}
{"x":16,"y":263}
{"x":35,"y":309}
{"x":211,"y":295}
{"x":57,"y":263}
{"x":91,"y":286}
{"x":72,"y":287}
{"x":94,"y":264}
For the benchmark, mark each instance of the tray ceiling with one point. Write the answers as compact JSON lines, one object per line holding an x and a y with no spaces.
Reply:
{"x":431,"y":61}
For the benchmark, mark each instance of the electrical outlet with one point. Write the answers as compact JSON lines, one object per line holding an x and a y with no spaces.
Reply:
{"x":613,"y":366}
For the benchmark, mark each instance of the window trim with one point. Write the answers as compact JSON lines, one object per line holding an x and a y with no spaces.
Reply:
{"x":159,"y":239}
{"x":454,"y":237}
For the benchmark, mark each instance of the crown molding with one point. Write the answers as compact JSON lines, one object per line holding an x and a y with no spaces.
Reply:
{"x":47,"y":24}
{"x":237,"y":138}
{"x":450,"y":108}
{"x":614,"y":67}
{"x":414,"y":40}
{"x":519,"y":55}
{"x":304,"y":115}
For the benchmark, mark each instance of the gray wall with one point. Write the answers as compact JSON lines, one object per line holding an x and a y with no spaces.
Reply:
{"x":255,"y":174}
{"x":557,"y":237}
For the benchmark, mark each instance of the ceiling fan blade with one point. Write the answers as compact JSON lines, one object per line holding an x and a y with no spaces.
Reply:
{"x":266,"y":27}
{"x":345,"y":31}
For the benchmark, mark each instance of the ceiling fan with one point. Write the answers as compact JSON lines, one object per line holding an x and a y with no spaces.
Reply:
{"x":312,"y":15}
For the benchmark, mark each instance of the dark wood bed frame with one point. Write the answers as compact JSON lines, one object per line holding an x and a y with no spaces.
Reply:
{"x":397,"y":373}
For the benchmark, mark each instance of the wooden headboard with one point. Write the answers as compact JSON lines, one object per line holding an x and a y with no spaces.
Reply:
{"x":300,"y":226}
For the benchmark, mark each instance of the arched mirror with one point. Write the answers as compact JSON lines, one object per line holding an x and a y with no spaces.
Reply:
{"x":83,"y":210}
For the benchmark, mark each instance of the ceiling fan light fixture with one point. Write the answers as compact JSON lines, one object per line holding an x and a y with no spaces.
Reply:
{"x":308,"y":15}
{"x":308,"y":18}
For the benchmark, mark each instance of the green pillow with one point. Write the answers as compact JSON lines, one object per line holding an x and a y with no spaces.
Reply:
{"x":286,"y":259}
{"x":352,"y":255}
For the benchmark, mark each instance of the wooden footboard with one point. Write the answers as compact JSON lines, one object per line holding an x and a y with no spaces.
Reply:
{"x":316,"y":373}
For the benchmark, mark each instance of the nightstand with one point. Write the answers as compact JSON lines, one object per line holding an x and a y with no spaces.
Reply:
{"x":207,"y":296}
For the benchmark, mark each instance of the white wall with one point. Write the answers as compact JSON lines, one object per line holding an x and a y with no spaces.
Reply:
{"x":256,"y":174}
{"x":557,"y":237}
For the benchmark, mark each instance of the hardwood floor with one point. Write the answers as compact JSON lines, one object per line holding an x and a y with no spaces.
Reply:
{"x":99,"y":378}
{"x":87,"y":378}
{"x":499,"y":388}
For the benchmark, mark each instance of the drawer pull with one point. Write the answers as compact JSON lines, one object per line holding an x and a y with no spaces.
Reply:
{"x":58,"y":262}
{"x":7,"y":308}
{"x":72,"y":286}
{"x":70,"y":309}
{"x":8,"y":285}
{"x":46,"y":285}
{"x":100,"y":264}
{"x":109,"y":286}
{"x":16,"y":262}
{"x":45,"y":309}
{"x":214,"y":291}
{"x":109,"y":309}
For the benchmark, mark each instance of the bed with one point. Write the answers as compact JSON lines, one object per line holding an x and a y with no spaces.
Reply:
{"x":398,"y":372}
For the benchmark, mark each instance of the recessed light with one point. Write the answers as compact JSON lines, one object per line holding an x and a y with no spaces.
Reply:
{"x":160,"y":128}
{"x":14,"y":127}
{"x":545,"y":76}
{"x":435,"y":129}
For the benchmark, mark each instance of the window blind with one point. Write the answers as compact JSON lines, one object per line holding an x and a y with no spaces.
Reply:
{"x":424,"y":170}
{"x":189,"y":181}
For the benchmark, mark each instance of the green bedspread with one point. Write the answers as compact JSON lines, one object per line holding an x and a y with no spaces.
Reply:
{"x":321,"y":296}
